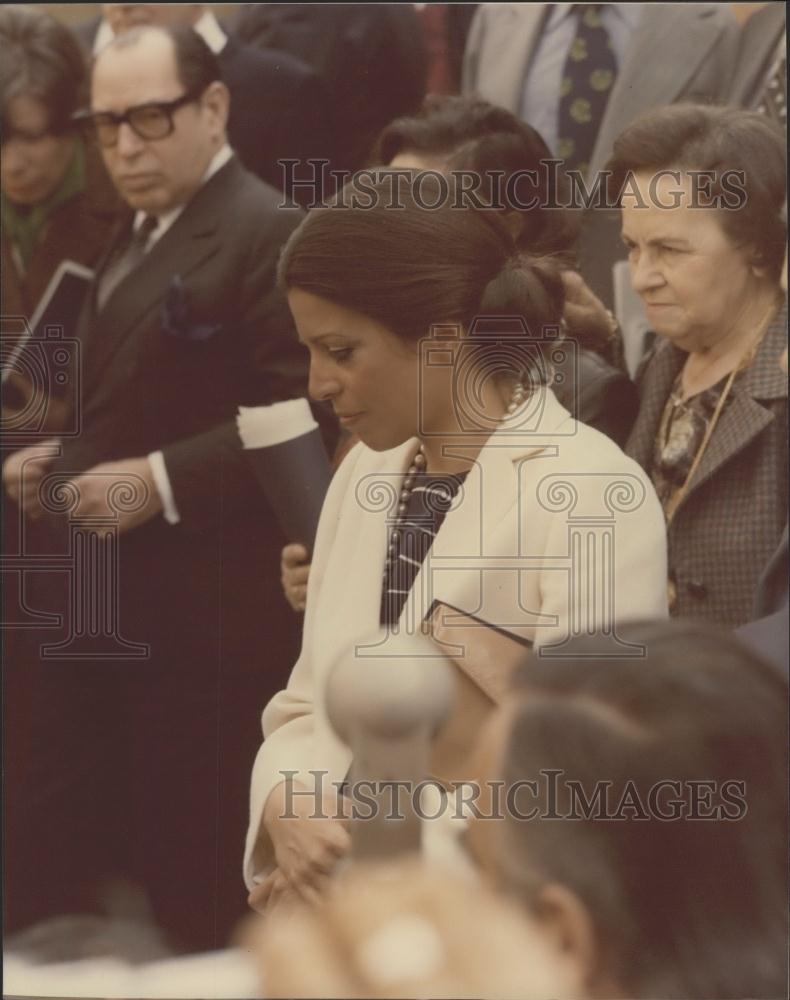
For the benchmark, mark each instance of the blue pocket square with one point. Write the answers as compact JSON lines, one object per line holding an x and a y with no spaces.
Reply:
{"x":175,"y":315}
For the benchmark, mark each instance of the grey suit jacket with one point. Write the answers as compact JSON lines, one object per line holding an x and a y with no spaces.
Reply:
{"x":731,"y":520}
{"x":679,"y":52}
{"x":759,"y":39}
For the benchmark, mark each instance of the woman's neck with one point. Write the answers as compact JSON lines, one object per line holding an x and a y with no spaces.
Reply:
{"x":454,"y":451}
{"x":706,"y":366}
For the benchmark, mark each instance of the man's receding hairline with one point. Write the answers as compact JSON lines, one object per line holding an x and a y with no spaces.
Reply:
{"x":129,"y":39}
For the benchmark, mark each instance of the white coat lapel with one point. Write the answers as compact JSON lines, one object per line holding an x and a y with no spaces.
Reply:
{"x":351,"y":604}
{"x":482,"y":530}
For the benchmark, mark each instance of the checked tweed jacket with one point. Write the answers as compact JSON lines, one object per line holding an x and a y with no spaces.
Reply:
{"x":731,"y":520}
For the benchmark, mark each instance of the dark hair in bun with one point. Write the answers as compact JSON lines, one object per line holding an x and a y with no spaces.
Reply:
{"x":380,"y":251}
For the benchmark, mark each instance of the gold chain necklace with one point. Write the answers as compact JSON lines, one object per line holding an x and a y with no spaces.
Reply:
{"x":745,"y":360}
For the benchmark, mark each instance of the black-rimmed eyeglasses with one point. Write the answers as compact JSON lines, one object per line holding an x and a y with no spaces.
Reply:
{"x":148,"y":121}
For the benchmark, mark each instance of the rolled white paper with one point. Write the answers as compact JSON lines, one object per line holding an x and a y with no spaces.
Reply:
{"x":265,"y":426}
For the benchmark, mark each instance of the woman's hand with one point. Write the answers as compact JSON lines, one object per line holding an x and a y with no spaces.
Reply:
{"x":275,"y":890}
{"x":308,"y":843}
{"x":294,"y":571}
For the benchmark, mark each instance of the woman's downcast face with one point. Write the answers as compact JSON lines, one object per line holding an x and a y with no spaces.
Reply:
{"x":368,"y":374}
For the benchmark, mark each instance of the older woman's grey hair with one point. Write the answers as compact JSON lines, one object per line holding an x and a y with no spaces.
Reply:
{"x":744,"y":154}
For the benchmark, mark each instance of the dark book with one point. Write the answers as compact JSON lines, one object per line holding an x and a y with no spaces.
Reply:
{"x":285,"y":450}
{"x":40,"y":360}
{"x":55,"y":317}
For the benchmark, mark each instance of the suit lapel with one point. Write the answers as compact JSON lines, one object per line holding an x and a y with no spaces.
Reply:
{"x":474,"y":528}
{"x":645,"y":82}
{"x":352,"y":586}
{"x":744,"y":417}
{"x":659,"y":374}
{"x":185,"y":246}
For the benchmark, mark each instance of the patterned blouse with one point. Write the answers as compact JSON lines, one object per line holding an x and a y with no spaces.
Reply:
{"x":683,"y":426}
{"x":429,"y":501}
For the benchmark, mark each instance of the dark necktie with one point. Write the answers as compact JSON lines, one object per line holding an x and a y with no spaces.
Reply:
{"x":773,"y":100}
{"x":587,"y":79}
{"x":126,"y":260}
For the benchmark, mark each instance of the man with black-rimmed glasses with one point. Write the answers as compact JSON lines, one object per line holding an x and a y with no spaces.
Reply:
{"x":185,"y":632}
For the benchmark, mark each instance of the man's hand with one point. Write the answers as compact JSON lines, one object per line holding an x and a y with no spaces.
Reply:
{"x":23,"y":472}
{"x":294,"y":571}
{"x":588,"y":319}
{"x":307,"y":847}
{"x":124,"y":490}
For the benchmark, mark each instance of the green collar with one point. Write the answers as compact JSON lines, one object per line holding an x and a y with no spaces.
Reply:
{"x":22,"y":226}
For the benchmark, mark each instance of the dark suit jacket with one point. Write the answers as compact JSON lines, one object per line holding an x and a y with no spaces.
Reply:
{"x":148,"y":388}
{"x":758,"y":42}
{"x":204,"y":594}
{"x":597,"y":394}
{"x":278,"y":109}
{"x":370,"y":57}
{"x":731,"y":519}
{"x":179,"y":391}
{"x":768,"y":633}
{"x":773,"y":585}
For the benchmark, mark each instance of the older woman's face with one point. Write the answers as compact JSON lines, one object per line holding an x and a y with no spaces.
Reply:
{"x":695,"y":283}
{"x":33,"y":161}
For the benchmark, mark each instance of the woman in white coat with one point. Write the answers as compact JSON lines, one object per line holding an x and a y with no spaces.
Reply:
{"x":471,"y":486}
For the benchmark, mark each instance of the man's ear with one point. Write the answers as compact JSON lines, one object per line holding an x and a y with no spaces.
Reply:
{"x":567,"y":923}
{"x":216,"y":99}
{"x":758,"y":266}
{"x":757,"y":262}
{"x":514,"y":223}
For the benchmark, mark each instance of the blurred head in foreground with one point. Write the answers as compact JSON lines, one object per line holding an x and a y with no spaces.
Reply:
{"x":649,"y":832}
{"x":406,"y":930}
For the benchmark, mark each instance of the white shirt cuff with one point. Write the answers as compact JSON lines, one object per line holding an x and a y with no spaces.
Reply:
{"x":162,"y":483}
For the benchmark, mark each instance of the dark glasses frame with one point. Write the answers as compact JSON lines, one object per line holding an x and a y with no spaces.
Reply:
{"x":97,"y":120}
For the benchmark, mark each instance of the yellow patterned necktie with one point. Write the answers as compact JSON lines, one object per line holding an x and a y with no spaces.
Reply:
{"x":588,"y":77}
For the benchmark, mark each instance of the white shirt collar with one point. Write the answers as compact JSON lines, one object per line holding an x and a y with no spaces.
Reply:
{"x":218,"y":161}
{"x":208,"y":27}
{"x":628,"y":12}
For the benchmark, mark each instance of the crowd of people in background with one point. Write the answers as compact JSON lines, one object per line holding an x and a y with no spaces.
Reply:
{"x":223,"y":189}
